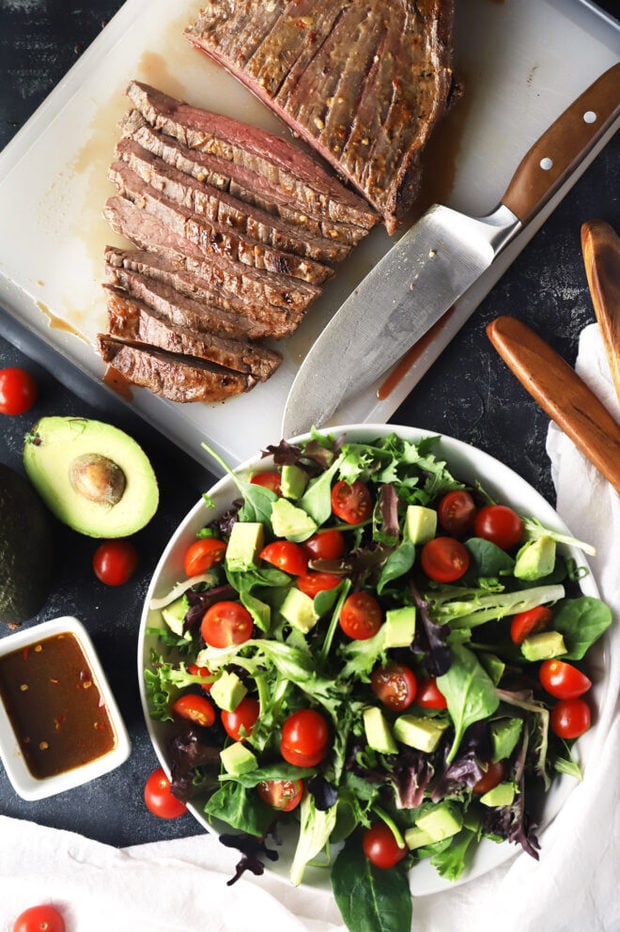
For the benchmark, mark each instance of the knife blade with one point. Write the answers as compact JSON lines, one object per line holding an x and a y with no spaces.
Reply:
{"x":436,"y":261}
{"x":561,"y":393}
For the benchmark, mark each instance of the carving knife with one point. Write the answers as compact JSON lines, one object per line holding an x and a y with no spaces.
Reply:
{"x":561,"y":393}
{"x":434,"y":263}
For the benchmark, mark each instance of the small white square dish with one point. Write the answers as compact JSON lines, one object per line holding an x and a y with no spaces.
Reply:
{"x":60,"y":726}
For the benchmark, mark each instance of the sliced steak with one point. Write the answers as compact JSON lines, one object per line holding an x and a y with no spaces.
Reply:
{"x":173,"y":377}
{"x":223,"y":209}
{"x":244,"y":184}
{"x":364,"y":83}
{"x":134,"y":321}
{"x":214,"y":239}
{"x":286,"y":166}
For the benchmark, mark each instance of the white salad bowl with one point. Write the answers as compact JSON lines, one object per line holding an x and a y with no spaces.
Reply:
{"x":467,"y":464}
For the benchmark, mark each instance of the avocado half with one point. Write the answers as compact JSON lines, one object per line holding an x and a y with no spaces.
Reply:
{"x":93,"y":476}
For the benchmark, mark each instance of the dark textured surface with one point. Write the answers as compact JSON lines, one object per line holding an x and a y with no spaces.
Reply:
{"x":469,"y":394}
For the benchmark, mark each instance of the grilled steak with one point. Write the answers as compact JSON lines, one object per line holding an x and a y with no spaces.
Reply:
{"x":362,"y":81}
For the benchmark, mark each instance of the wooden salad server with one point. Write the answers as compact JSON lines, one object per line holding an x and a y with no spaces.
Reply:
{"x":561,"y":393}
{"x":600,"y":245}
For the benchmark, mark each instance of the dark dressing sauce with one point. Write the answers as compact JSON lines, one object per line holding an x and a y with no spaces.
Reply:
{"x":54,"y":705}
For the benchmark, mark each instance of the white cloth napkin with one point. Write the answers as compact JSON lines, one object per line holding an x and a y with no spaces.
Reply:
{"x":180,"y":885}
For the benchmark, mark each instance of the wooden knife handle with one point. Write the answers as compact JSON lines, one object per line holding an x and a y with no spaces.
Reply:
{"x":600,"y":245}
{"x":552,"y":158}
{"x":561,"y":393}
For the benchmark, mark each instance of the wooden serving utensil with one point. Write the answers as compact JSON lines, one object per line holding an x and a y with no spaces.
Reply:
{"x":561,"y":393}
{"x":600,"y":245}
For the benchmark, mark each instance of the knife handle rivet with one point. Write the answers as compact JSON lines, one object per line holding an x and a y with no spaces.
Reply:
{"x":546,"y":164}
{"x":589,"y":116}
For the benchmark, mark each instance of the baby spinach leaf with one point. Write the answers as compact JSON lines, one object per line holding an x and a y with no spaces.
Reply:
{"x":242,"y":810}
{"x":581,"y":621}
{"x":397,"y":564}
{"x":469,"y":692}
{"x":370,"y":900}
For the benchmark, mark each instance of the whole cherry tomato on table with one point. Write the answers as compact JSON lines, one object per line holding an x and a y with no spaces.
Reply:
{"x":18,"y":391}
{"x":380,"y":846}
{"x":44,"y":918}
{"x":159,"y":799}
{"x":115,"y":561}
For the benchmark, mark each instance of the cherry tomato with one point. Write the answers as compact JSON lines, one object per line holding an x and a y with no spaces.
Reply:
{"x":197,"y":709}
{"x":115,"y":561}
{"x":499,"y":524}
{"x":195,"y":670}
{"x":429,"y":696}
{"x":351,"y":503}
{"x":43,"y":918}
{"x":312,"y":583}
{"x":529,"y":622}
{"x":380,"y":846}
{"x":284,"y":795}
{"x":159,"y":799}
{"x":444,"y":559}
{"x":563,"y":680}
{"x":226,"y":623}
{"x":18,"y":391}
{"x":268,"y":480}
{"x":202,"y":554}
{"x":494,"y":773}
{"x":456,"y":512}
{"x":395,"y":686}
{"x":325,"y":545}
{"x":287,"y":556}
{"x":239,"y":723}
{"x":570,"y":718}
{"x":361,"y":616}
{"x":305,"y":738}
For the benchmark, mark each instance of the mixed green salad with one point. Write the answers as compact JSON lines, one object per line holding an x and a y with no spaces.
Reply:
{"x":379,"y":654}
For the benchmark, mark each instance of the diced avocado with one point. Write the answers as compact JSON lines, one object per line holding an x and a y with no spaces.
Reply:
{"x":228,"y":691}
{"x":501,"y":795}
{"x":420,"y":732}
{"x":246,"y":541}
{"x":174,"y":616}
{"x":442,"y":821}
{"x":291,"y":522}
{"x":505,"y":732}
{"x":293,"y":481}
{"x":237,"y":759}
{"x":535,"y":559}
{"x":493,"y":666}
{"x":417,"y":838}
{"x":543,"y":646}
{"x":420,"y":524}
{"x":400,"y":626}
{"x":378,"y":733}
{"x":298,"y":609}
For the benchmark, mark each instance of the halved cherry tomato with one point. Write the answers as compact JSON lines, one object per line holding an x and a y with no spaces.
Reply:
{"x":444,"y":559}
{"x":563,"y":680}
{"x":380,"y":846}
{"x":159,"y":799}
{"x":351,"y":503}
{"x":456,"y":512}
{"x":226,"y":623}
{"x":529,"y":622}
{"x":429,"y":695}
{"x":361,"y":616}
{"x":203,"y":672}
{"x":202,"y":554}
{"x":197,"y":709}
{"x":115,"y":561}
{"x":286,"y":555}
{"x":305,"y":738}
{"x":312,"y":583}
{"x":239,"y":723}
{"x":268,"y":480}
{"x":325,"y":545}
{"x":570,"y":718}
{"x":499,"y":524}
{"x":284,"y":795}
{"x":18,"y":391}
{"x":44,"y":918}
{"x":494,"y":773}
{"x":395,"y":686}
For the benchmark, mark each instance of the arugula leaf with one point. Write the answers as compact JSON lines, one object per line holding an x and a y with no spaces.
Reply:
{"x":581,"y":621}
{"x":469,"y":692}
{"x":452,"y":861}
{"x":370,"y":899}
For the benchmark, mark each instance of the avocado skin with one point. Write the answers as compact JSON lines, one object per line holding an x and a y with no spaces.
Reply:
{"x":26,"y":549}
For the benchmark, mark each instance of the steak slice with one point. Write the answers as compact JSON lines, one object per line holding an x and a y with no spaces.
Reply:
{"x":213,"y":239}
{"x":240,"y":281}
{"x":134,"y":321}
{"x":223,"y":209}
{"x":364,"y":83}
{"x":246,"y":185}
{"x":286,"y":166}
{"x":173,"y":377}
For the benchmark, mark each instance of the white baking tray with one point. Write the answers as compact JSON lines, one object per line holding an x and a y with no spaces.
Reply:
{"x":521,"y":63}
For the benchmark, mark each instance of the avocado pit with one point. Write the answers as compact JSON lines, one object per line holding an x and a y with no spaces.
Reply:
{"x":97,"y":478}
